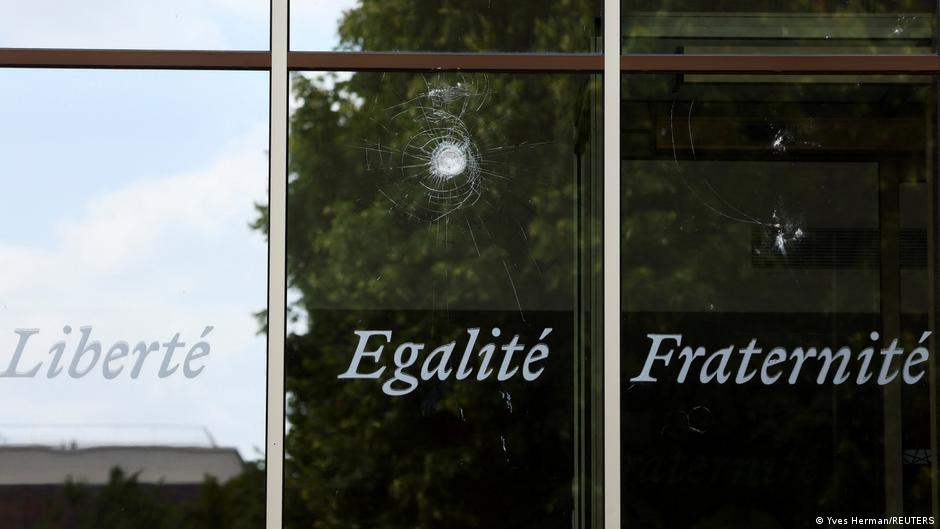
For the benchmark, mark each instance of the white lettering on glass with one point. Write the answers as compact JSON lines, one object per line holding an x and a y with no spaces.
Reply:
{"x":89,"y":357}
{"x":487,"y":361}
{"x":822,"y":366}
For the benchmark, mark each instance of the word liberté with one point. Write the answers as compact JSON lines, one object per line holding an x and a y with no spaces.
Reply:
{"x":437,"y":363}
{"x":120,"y":357}
{"x":828,"y":366}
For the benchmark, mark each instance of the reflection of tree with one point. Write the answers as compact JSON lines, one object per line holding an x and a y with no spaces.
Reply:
{"x":899,"y":7}
{"x":452,"y":454}
{"x":447,"y":455}
{"x":125,"y":503}
{"x":775,"y":26}
{"x":773,"y":456}
{"x":471,"y":25}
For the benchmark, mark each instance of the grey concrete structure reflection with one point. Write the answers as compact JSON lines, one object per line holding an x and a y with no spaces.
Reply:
{"x":167,"y":465}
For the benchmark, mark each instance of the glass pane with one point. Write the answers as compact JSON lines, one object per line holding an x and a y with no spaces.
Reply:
{"x":152,"y":24}
{"x":132,"y":366}
{"x":438,"y":25}
{"x":776,"y":299}
{"x":443,"y":264}
{"x":773,"y":27}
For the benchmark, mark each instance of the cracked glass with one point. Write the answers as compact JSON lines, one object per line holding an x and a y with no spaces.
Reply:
{"x":443,"y":266}
{"x":776,"y":298}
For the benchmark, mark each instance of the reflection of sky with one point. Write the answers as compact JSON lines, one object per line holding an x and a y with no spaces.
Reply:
{"x":169,"y":24}
{"x":127,"y":198}
{"x":313,"y":23}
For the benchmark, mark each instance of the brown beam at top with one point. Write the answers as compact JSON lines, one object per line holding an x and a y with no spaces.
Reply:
{"x":373,"y":61}
{"x":370,"y":61}
{"x":911,"y":64}
{"x":135,"y":59}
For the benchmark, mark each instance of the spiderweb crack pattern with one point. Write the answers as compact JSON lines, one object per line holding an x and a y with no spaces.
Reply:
{"x":442,"y":170}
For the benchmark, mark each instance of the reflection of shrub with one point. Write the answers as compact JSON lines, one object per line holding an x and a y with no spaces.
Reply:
{"x":125,"y":503}
{"x":456,"y":455}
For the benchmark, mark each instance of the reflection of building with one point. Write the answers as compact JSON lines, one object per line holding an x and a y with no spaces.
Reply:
{"x":33,"y":478}
{"x":40,"y":465}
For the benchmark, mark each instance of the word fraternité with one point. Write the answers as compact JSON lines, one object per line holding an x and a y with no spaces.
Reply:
{"x":871,"y":364}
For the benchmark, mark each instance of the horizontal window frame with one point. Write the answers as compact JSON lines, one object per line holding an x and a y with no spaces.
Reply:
{"x":134,"y":59}
{"x":470,"y":62}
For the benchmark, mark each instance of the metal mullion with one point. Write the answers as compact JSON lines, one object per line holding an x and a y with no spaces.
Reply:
{"x":611,"y":231}
{"x":277,"y":265}
{"x":933,"y":266}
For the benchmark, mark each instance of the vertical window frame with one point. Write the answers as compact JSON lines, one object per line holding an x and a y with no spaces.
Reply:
{"x":277,"y":262}
{"x":612,"y":294}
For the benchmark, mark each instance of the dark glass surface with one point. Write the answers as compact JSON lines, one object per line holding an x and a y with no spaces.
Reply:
{"x":426,"y":206}
{"x":790,"y":210}
{"x":446,"y":26}
{"x":774,"y":27}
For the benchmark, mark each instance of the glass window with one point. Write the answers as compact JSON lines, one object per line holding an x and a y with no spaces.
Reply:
{"x":150,"y":24}
{"x":443,"y":263}
{"x":775,"y":298}
{"x":439,"y":25}
{"x":132,"y":365}
{"x":772,"y":27}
